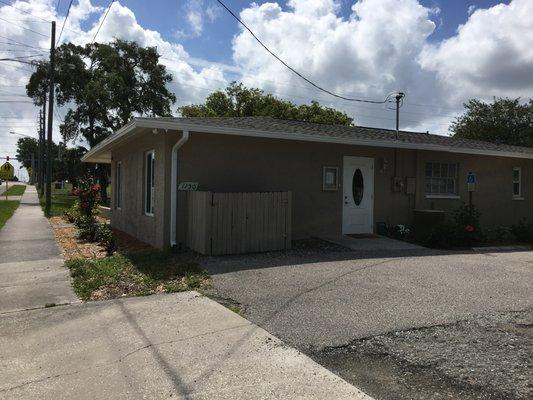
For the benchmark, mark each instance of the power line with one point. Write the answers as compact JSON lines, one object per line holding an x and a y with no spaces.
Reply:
{"x":103,"y":19}
{"x":16,"y":58}
{"x":296,"y":72}
{"x":23,"y":27}
{"x":64,"y":22}
{"x":24,"y":11}
{"x":20,"y":43}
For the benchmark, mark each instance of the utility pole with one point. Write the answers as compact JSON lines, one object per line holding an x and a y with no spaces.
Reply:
{"x":40,"y":157}
{"x":48,"y":202}
{"x":398,"y":98}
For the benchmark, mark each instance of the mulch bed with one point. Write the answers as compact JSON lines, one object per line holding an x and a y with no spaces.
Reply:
{"x":74,"y":248}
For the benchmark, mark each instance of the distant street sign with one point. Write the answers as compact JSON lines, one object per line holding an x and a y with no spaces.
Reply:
{"x":471,"y":181}
{"x":7,"y":171}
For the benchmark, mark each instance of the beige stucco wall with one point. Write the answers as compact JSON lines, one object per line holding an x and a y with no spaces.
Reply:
{"x":234,"y":163}
{"x":131,"y":217}
{"x":493,"y":194}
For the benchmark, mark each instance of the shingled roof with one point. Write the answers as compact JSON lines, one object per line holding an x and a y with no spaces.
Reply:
{"x":269,"y":124}
{"x":307,"y":131}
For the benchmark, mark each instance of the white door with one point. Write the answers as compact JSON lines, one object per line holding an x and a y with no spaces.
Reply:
{"x":358,"y":196}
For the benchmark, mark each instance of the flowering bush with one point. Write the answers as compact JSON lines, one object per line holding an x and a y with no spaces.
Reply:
{"x":88,"y":192}
{"x":400,"y":231}
{"x":462,"y":231}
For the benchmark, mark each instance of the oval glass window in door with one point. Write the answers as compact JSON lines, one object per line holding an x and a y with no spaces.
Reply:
{"x":358,"y":187}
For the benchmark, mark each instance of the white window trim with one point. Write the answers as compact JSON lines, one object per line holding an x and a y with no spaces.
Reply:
{"x":519,"y":195}
{"x":152,"y":189}
{"x":118,"y":185}
{"x":448,"y":196}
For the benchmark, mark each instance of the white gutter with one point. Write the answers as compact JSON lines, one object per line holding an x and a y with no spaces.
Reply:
{"x":174,"y":187}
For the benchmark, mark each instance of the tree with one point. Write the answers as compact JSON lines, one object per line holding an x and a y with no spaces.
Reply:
{"x":70,"y":166}
{"x":104,"y":86}
{"x":27,"y":146}
{"x":505,"y":121}
{"x":239,"y":101}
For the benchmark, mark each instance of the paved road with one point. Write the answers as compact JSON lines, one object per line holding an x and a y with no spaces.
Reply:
{"x":315,"y":300}
{"x":158,"y":347}
{"x":31,"y":267}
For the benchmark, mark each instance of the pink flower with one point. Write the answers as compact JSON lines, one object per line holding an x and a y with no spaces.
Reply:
{"x":469,"y":228}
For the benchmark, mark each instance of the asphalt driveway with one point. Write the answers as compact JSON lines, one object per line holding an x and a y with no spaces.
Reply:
{"x":314,"y":299}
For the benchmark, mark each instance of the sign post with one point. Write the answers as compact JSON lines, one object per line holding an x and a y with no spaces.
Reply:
{"x":7,"y":172}
{"x":471,"y":183}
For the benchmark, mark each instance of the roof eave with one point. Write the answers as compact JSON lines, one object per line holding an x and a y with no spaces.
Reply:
{"x":93,"y":154}
{"x":98,"y":153}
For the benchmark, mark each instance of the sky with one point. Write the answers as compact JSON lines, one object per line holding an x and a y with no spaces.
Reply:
{"x":440,"y":53}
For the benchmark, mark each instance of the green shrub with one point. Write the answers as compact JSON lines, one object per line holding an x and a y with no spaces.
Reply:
{"x":462,"y":231}
{"x":104,"y":235}
{"x":87,"y":228}
{"x":523,"y":231}
{"x":442,"y":236}
{"x":73,"y":214}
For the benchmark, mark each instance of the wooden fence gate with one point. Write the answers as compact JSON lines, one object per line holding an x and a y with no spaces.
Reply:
{"x":234,"y":223}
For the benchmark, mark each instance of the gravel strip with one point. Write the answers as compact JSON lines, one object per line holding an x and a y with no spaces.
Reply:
{"x":487,"y":357}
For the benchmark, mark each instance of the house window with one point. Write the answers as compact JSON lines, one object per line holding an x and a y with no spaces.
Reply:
{"x":441,"y":179}
{"x":118,"y":185}
{"x":517,"y":182}
{"x":149,"y":182}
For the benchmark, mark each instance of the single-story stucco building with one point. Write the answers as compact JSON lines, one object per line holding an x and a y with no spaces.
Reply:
{"x":342,"y":179}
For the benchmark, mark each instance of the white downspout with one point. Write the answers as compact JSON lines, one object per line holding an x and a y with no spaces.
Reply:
{"x":174,"y":187}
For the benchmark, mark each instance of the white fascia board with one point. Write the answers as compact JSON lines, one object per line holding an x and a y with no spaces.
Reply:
{"x":92,"y":155}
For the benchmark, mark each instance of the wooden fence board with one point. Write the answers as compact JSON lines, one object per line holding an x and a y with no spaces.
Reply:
{"x":233,"y":223}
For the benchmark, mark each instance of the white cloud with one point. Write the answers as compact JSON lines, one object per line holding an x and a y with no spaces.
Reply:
{"x":368,"y":55}
{"x":471,"y":9}
{"x":491,"y":55}
{"x":193,"y":78}
{"x":197,"y":13}
{"x":385,"y":46}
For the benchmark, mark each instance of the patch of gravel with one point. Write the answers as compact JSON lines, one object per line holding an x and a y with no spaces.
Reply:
{"x":486,"y":357}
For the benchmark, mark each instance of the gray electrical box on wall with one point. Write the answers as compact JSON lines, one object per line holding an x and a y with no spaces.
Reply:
{"x":410,"y":186}
{"x":397,"y":184}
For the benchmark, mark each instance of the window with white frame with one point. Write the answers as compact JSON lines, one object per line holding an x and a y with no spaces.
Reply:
{"x":149,"y":182}
{"x":441,"y":179}
{"x":118,"y":185}
{"x":517,"y":182}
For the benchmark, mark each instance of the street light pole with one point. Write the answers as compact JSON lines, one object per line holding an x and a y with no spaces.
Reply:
{"x":48,"y":201}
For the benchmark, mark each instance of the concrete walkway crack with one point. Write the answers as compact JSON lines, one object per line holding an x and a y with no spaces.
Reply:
{"x":125,"y":356}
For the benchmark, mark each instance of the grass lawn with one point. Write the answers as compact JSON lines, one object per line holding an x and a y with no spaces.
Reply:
{"x":15,"y":190}
{"x":7,"y":208}
{"x":137,"y":274}
{"x":62,"y":200}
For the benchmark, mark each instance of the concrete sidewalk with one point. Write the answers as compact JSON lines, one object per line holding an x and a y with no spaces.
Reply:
{"x":164,"y":346}
{"x":31,"y":267}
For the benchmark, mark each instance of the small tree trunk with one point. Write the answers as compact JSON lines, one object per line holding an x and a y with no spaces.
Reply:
{"x":103,"y":180}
